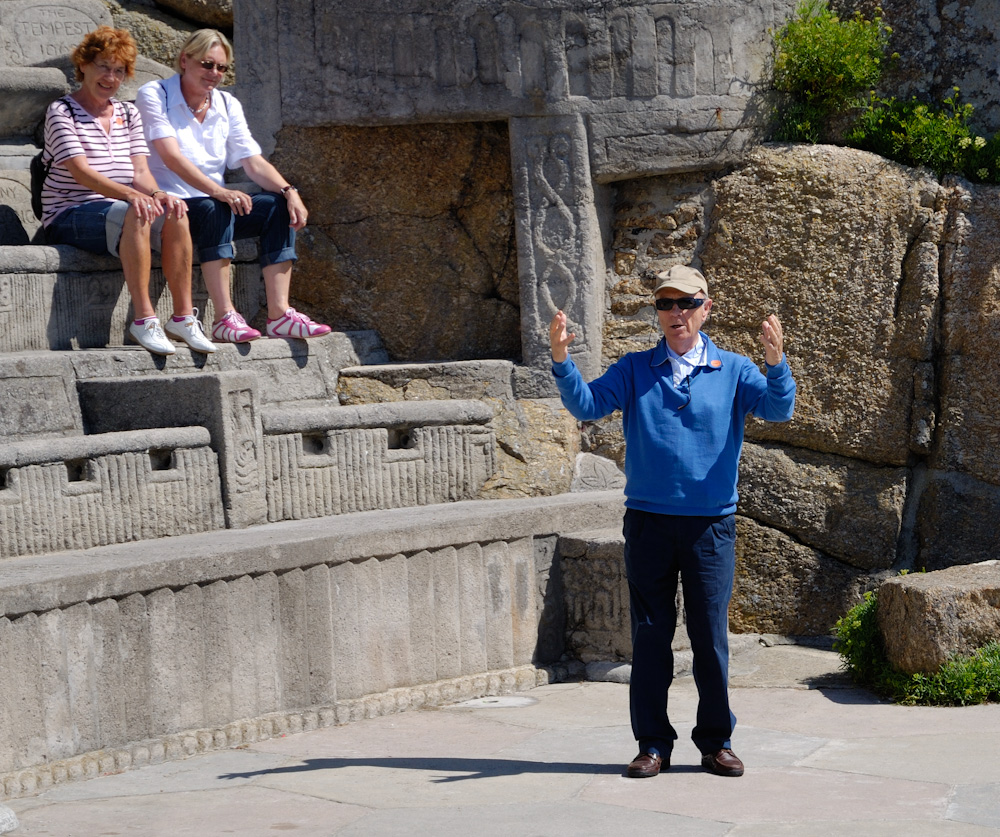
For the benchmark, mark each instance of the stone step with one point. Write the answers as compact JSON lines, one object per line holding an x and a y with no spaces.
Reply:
{"x":59,"y":297}
{"x":15,"y":155}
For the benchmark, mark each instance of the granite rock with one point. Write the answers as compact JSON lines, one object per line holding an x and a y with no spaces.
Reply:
{"x":925,"y":618}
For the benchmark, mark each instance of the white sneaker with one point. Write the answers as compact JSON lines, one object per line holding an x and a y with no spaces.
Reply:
{"x":150,"y":336}
{"x":190,"y":331}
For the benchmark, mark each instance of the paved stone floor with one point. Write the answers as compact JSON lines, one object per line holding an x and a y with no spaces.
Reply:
{"x":822,"y":758}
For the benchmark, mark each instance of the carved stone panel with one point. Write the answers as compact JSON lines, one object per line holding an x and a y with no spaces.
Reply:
{"x":36,"y":33}
{"x":558,"y":238}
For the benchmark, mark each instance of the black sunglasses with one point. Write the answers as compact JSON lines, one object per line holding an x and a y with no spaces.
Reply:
{"x":685,"y":303}
{"x":211,"y":65}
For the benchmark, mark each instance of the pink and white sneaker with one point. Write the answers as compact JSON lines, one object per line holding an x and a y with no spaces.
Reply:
{"x":295,"y":324}
{"x":232,"y":328}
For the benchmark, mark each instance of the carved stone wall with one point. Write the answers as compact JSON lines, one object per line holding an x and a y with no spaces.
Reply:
{"x":593,"y":93}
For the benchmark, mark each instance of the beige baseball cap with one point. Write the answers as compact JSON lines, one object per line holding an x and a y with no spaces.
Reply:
{"x":681,"y":278}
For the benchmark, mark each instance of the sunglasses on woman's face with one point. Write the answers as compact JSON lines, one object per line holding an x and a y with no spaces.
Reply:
{"x":685,"y":303}
{"x":211,"y":65}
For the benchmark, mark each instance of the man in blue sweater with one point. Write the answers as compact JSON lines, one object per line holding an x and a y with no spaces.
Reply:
{"x":683,"y":406}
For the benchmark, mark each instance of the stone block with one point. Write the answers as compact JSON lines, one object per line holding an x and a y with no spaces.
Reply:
{"x":22,"y":715}
{"x":109,"y":673}
{"x":779,"y":230}
{"x":849,"y":509}
{"x":422,"y":615}
{"x":499,"y":605}
{"x":784,"y":587}
{"x":18,"y":224}
{"x":395,"y":638}
{"x":59,"y":297}
{"x":969,"y":437}
{"x":137,"y":666}
{"x":346,"y":631}
{"x":447,"y":614}
{"x":955,"y":521}
{"x":474,"y":603}
{"x":166,"y":679}
{"x":242,"y":603}
{"x":215,"y":631}
{"x":524,"y":613}
{"x":925,"y":618}
{"x":595,"y":473}
{"x":335,"y":460}
{"x":195,"y":670}
{"x":53,"y":693}
{"x":25,"y":94}
{"x":227,"y":403}
{"x":292,"y":601}
{"x":80,"y":683}
{"x":37,"y":397}
{"x":319,"y":637}
{"x":598,"y":626}
{"x":267,"y":643}
{"x":72,"y":493}
{"x":37,"y":33}
{"x":372,"y":668}
{"x":487,"y":380}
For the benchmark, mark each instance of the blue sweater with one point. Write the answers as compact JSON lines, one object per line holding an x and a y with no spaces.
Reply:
{"x":682,"y":453}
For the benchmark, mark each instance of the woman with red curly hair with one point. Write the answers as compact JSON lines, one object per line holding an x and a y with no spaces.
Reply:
{"x":99,"y":194}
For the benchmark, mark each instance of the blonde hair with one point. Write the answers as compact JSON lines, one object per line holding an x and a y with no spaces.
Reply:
{"x":200,"y":42}
{"x":115,"y":44}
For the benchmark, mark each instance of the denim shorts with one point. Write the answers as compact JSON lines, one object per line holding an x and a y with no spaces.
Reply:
{"x":214,"y":226}
{"x":96,"y":226}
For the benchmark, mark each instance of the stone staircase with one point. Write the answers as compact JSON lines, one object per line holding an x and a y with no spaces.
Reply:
{"x":203,"y":550}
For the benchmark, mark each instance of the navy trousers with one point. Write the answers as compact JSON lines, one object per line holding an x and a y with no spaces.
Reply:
{"x":702,"y":552}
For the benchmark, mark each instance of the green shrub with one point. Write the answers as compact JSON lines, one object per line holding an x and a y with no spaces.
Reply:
{"x":822,"y":64}
{"x":961,"y":681}
{"x":917,"y":134}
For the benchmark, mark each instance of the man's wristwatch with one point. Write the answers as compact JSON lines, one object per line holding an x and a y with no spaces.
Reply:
{"x":286,"y":189}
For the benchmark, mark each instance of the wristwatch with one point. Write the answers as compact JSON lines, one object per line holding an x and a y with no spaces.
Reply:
{"x":286,"y":189}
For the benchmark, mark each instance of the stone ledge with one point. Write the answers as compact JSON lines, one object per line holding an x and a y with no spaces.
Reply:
{"x":83,"y":447}
{"x":181,"y":745}
{"x":387,"y":414}
{"x":63,"y":579}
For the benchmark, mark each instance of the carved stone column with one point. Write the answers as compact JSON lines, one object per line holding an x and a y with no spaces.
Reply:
{"x":559,"y":250}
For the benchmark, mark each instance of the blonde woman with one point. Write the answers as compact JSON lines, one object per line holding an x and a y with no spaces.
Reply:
{"x":196,"y":132}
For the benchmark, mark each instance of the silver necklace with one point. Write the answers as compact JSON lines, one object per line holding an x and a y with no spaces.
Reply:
{"x":203,"y":106}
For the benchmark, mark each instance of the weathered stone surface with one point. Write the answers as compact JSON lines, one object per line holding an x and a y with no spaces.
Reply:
{"x":34,"y":32}
{"x":941,"y":46}
{"x":783,"y":587}
{"x":213,"y":13}
{"x":970,"y":387}
{"x":595,"y":473}
{"x":956,"y":521}
{"x":596,"y":596}
{"x":447,"y":287}
{"x":925,"y":618}
{"x":787,"y":236}
{"x":25,"y":93}
{"x":159,"y":36}
{"x":537,"y":439}
{"x":8,"y":820}
{"x":849,"y":509}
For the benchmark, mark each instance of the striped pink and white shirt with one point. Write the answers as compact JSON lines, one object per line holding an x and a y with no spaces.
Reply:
{"x":80,"y":135}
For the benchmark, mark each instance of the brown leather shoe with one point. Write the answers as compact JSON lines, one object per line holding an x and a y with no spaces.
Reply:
{"x":722,"y":763}
{"x":647,"y":765}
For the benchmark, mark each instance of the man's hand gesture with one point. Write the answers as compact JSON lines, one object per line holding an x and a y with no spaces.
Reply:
{"x":773,"y":339}
{"x":559,"y":340}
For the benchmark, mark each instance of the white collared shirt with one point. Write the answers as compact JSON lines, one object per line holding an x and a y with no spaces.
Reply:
{"x":683,"y":365}
{"x":222,"y":141}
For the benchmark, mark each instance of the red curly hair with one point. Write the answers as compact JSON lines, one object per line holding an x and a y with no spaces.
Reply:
{"x":113,"y":44}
